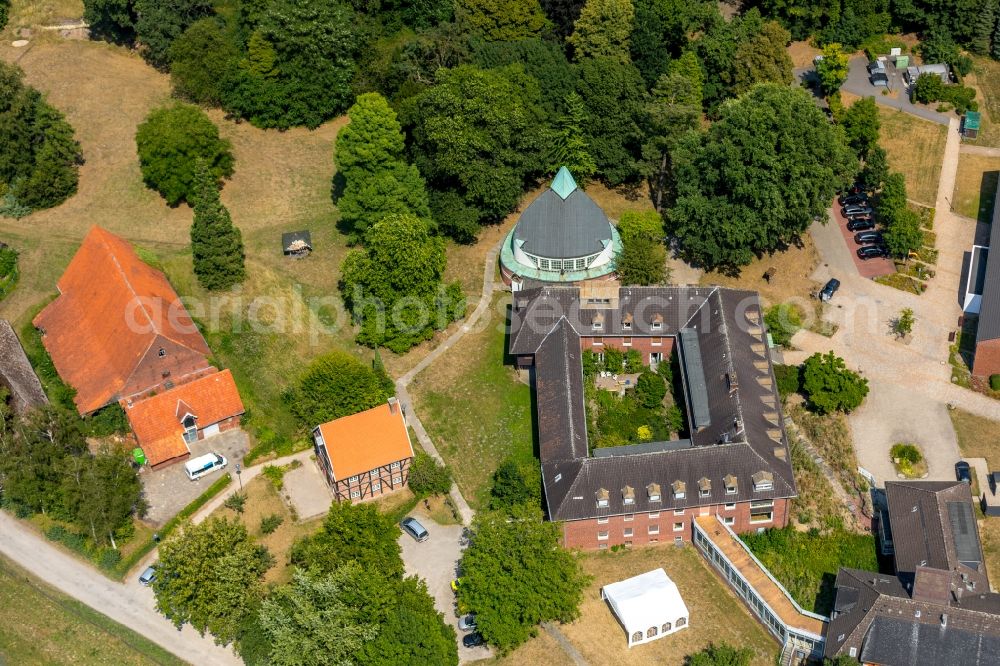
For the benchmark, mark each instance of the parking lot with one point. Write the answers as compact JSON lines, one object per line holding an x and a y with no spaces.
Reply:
{"x":867,"y":268}
{"x":168,"y":490}
{"x":436,"y":561}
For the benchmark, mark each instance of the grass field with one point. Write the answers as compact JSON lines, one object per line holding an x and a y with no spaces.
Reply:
{"x":985,"y":78}
{"x":39,"y":625}
{"x":716,"y":614}
{"x":915,"y":148}
{"x":976,"y":186}
{"x":793,"y":267}
{"x":44,"y":12}
{"x":978,"y":437}
{"x":474,"y":407}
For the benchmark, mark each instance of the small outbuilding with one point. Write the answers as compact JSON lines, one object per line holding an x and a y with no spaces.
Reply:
{"x":970,"y":124}
{"x":648,"y":606}
{"x":296,"y":244}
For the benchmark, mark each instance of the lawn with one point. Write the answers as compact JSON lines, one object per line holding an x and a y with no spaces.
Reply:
{"x":47,"y":12}
{"x":806,"y":563}
{"x":915,"y":148}
{"x":976,"y":186}
{"x":985,"y":78}
{"x":989,"y":532}
{"x":474,"y":407}
{"x":39,"y":625}
{"x":978,"y":437}
{"x":716,"y":614}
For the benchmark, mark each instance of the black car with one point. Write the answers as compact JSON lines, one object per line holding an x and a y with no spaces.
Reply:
{"x":853,"y":199}
{"x":473,"y":640}
{"x":962,"y":472}
{"x":873,"y":251}
{"x":861,"y":225}
{"x":868,"y":237}
{"x":829,"y":289}
{"x":856,"y":210}
{"x":859,"y":216}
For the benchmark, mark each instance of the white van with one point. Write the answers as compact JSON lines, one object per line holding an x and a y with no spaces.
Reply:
{"x":202,"y":465}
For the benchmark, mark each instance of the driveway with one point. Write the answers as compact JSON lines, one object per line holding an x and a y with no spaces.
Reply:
{"x":859,"y":84}
{"x":436,"y":561}
{"x":308,"y":491}
{"x":866,"y":268}
{"x":168,"y":490}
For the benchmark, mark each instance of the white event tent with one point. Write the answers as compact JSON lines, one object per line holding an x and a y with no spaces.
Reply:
{"x":648,"y":606}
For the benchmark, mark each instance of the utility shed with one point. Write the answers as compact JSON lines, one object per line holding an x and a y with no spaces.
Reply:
{"x":648,"y":606}
{"x":970,"y":124}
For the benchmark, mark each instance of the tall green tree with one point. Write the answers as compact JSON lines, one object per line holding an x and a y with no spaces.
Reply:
{"x":763,"y":59}
{"x":358,"y":533}
{"x":159,"y":22}
{"x":501,"y":20}
{"x":603,"y":30}
{"x":862,"y":123}
{"x":563,"y":14}
{"x":171,"y":142}
{"x":310,"y":622}
{"x":209,"y":576}
{"x":567,"y":142}
{"x":202,"y":60}
{"x":986,"y":22}
{"x":876,"y":168}
{"x":103,"y":492}
{"x":830,"y":386}
{"x":335,"y":385}
{"x":113,"y":20}
{"x":674,"y":109}
{"x":615,"y":97}
{"x":543,"y":60}
{"x":660,"y":33}
{"x":516,"y":575}
{"x":393,"y":286}
{"x":757,"y":178}
{"x":411,"y":630}
{"x":903,"y":233}
{"x":376,"y":179}
{"x":477,"y":133}
{"x":803,"y":18}
{"x":833,"y":68}
{"x":722,"y":654}
{"x":642,"y":262}
{"x":216,"y":243}
{"x":516,"y":483}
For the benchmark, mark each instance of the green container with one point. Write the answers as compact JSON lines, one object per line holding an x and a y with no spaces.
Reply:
{"x":139,"y":457}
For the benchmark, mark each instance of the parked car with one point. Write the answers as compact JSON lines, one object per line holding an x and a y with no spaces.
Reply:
{"x":962,"y":472}
{"x":455,"y":584}
{"x":853,"y":199}
{"x":473,"y":640}
{"x":868,"y":237}
{"x":861,"y":225}
{"x":202,"y":465}
{"x":413,"y":527}
{"x":148,"y":576}
{"x":468,"y":622}
{"x":857,"y":210}
{"x":829,"y":289}
{"x":873,"y":251}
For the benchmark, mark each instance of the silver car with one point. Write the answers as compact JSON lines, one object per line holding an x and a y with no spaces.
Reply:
{"x":148,"y":576}
{"x":413,"y":527}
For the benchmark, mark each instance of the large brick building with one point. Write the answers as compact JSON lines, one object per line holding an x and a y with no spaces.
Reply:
{"x":734,"y":462}
{"x":981,"y":301}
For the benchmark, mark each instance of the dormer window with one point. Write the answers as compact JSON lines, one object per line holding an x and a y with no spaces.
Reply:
{"x":679,"y":488}
{"x":653,"y":491}
{"x":602,"y":498}
{"x":598,"y":323}
{"x":704,"y":487}
{"x":162,"y":352}
{"x":731,"y":486}
{"x":657,"y":323}
{"x":627,"y":321}
{"x":628,"y":495}
{"x":763,"y":481}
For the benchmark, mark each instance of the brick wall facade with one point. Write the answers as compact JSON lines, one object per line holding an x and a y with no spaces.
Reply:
{"x":645,"y":345}
{"x":586,"y":534}
{"x":987,"y":359}
{"x":369,"y":485}
{"x":231,"y":423}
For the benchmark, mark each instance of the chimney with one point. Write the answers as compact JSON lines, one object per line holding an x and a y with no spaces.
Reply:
{"x":393,"y":405}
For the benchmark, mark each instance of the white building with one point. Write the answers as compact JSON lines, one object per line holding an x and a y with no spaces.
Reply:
{"x":648,"y":606}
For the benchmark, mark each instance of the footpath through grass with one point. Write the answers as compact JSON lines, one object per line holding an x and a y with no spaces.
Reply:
{"x":474,"y":407}
{"x":806,"y":563}
{"x":39,"y":625}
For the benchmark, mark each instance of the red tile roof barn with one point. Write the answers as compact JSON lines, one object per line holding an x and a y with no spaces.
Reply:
{"x":156,"y":421}
{"x":111,"y":309}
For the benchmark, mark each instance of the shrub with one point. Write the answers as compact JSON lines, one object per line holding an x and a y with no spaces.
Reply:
{"x":428,"y":476}
{"x":614,"y":359}
{"x":633,"y":361}
{"x":109,"y":559}
{"x":171,"y":141}
{"x":276,"y":475}
{"x":650,"y":389}
{"x":830,"y":386}
{"x":788,"y":378}
{"x":337,"y":385}
{"x":783,"y":321}
{"x":995,"y":382}
{"x":236,"y":502}
{"x":268,"y":524}
{"x":906,"y":452}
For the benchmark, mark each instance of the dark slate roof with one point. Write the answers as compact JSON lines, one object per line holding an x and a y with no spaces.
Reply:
{"x":875,"y":615}
{"x":933,"y":530}
{"x":16,"y":373}
{"x":989,"y":312}
{"x":977,"y":272}
{"x":694,"y":378}
{"x":744,"y":435}
{"x":555,"y":228}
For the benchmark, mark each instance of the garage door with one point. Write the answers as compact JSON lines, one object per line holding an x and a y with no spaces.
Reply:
{"x":211,"y":430}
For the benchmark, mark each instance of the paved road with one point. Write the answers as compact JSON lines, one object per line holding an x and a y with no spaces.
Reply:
{"x":130,"y":605}
{"x":858,"y":84}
